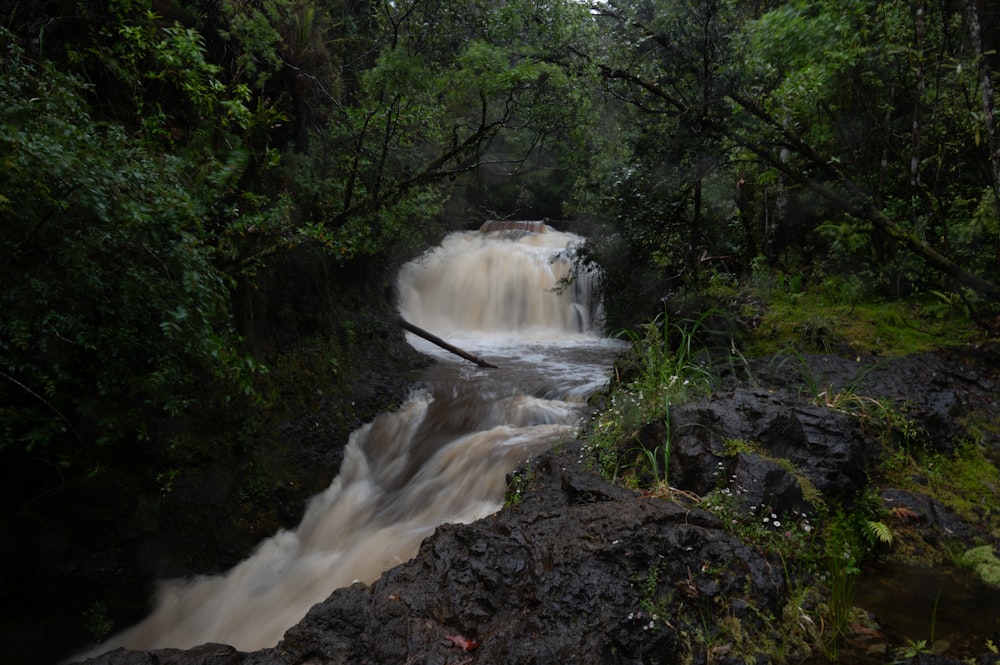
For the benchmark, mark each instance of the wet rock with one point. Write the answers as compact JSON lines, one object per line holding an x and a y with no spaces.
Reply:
{"x":555,"y":579}
{"x":933,"y":389}
{"x":934,"y":521}
{"x":581,"y":571}
{"x":206,"y":654}
{"x":757,"y":442}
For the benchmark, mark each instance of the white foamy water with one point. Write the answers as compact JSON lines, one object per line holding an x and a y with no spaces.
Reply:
{"x":443,"y":457}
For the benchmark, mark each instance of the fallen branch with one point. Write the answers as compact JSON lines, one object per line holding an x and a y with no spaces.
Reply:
{"x":434,"y":339}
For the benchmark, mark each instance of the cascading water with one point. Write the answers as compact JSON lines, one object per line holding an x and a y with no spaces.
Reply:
{"x":511,"y":296}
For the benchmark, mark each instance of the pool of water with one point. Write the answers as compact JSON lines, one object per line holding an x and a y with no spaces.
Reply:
{"x":949,"y":608}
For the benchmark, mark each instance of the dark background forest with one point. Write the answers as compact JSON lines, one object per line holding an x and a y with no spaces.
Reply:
{"x":205,"y":203}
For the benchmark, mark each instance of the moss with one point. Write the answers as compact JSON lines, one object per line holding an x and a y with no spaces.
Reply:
{"x":817,"y":618}
{"x":985,"y":562}
{"x":965,"y":481}
{"x":814,"y":322}
{"x":734,"y":447}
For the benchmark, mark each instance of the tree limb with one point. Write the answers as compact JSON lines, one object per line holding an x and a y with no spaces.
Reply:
{"x":857,"y":203}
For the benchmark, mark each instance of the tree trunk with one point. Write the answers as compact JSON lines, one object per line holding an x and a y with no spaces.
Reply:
{"x":986,"y":88}
{"x":919,"y":30}
{"x":434,"y":339}
{"x":989,"y":107}
{"x":855,"y":201}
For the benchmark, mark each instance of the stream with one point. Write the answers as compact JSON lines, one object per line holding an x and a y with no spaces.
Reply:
{"x":507,"y":293}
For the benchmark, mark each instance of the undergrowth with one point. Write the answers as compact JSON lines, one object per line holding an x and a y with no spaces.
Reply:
{"x":666,"y":365}
{"x":821,"y":551}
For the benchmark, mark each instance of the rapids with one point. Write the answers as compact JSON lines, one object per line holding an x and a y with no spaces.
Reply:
{"x":510,"y":296}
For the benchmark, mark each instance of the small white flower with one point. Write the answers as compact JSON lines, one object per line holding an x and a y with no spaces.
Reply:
{"x":777,"y":523}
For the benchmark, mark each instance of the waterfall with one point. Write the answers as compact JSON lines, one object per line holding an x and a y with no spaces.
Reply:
{"x":442,"y":457}
{"x":503,"y":279}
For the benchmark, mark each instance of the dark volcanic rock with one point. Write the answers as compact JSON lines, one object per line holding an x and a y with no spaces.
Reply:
{"x":934,"y":389}
{"x":825,"y":447}
{"x":581,"y":571}
{"x":558,"y":580}
{"x":206,"y":654}
{"x":935,"y":521}
{"x":566,"y":576}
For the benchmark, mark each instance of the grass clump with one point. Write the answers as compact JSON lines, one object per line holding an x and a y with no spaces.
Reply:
{"x":666,"y":365}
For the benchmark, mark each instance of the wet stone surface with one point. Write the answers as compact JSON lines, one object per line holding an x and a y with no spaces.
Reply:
{"x":582,"y":571}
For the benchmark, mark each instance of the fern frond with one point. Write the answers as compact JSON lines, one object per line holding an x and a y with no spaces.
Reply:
{"x":880,"y":531}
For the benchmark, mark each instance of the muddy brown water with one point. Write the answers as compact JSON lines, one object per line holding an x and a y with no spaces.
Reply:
{"x":509,"y":296}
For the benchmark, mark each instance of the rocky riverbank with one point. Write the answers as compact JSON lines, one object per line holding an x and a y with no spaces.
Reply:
{"x":576,"y":569}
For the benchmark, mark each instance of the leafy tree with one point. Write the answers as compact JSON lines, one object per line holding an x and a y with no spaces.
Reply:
{"x":112,"y":307}
{"x":844,"y":119}
{"x":662,"y":67}
{"x":845,"y":132}
{"x":444,"y":87}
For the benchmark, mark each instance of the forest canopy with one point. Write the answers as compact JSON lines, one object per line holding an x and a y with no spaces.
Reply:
{"x":157,"y":153}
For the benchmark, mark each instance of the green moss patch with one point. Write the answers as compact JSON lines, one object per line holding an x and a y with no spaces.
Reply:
{"x":985,"y":562}
{"x":815,"y":323}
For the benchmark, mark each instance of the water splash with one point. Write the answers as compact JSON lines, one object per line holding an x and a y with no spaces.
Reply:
{"x":442,"y":457}
{"x":501,"y":282}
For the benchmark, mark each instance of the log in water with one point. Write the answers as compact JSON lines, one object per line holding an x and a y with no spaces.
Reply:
{"x":442,"y":457}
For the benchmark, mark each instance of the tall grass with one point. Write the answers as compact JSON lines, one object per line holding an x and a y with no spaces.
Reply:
{"x":667,"y":364}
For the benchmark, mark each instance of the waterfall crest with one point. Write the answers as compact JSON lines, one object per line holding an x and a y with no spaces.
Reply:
{"x":504,"y":280}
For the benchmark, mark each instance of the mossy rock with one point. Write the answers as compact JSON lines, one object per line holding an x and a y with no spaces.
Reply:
{"x":984,"y":561}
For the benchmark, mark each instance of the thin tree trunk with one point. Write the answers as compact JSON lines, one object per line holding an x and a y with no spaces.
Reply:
{"x":919,"y":30}
{"x":986,"y":88}
{"x":989,"y":107}
{"x":434,"y":339}
{"x":855,"y":201}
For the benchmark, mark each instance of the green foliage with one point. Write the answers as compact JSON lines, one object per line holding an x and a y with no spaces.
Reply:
{"x":803,"y":48}
{"x":517,"y":483}
{"x":661,"y":369}
{"x":985,"y":562}
{"x":965,"y":480}
{"x":847,"y":541}
{"x":879,"y":532}
{"x":112,"y":305}
{"x":915,"y":648}
{"x":828,"y":135}
{"x":96,"y":621}
{"x":447,"y":93}
{"x":256,"y":38}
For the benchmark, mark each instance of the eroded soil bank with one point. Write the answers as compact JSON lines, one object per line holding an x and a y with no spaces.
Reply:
{"x":579,"y":570}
